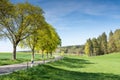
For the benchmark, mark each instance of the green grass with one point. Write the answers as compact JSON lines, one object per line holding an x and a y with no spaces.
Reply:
{"x":6,"y":58}
{"x":106,"y":64}
{"x":105,"y":67}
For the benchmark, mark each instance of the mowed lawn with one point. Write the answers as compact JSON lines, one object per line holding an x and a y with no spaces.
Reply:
{"x":6,"y":58}
{"x":106,"y":67}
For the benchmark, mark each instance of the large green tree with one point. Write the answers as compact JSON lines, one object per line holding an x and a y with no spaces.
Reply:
{"x":17,"y":21}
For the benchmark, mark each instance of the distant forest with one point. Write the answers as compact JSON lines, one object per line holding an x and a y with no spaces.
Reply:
{"x":75,"y":49}
{"x":101,"y":45}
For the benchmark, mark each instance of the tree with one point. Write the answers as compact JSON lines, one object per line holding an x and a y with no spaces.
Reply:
{"x":43,"y":39}
{"x":96,"y":48}
{"x":16,"y":21}
{"x":32,"y":40}
{"x":116,"y":37}
{"x":89,"y":48}
{"x":48,"y":39}
{"x":54,"y":41}
{"x":111,"y":43}
{"x":99,"y":40}
{"x":103,"y":43}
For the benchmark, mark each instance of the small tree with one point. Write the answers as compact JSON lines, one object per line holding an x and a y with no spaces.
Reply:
{"x":96,"y":48}
{"x":104,"y":43}
{"x":89,"y":48}
{"x":116,"y":37}
{"x":111,"y":43}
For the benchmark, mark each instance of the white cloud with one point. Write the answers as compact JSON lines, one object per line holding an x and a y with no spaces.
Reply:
{"x":58,"y":9}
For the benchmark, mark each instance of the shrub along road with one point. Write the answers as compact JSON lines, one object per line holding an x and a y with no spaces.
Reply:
{"x":14,"y":67}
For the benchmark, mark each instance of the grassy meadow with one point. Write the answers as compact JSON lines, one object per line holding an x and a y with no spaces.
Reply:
{"x":73,"y":67}
{"x":6,"y":58}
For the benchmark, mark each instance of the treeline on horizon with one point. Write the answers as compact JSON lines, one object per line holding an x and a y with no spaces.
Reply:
{"x":103,"y":44}
{"x":73,"y":49}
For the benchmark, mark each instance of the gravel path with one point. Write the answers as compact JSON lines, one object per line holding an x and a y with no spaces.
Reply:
{"x":11,"y":68}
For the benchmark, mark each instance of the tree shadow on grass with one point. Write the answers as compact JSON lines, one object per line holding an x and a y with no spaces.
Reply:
{"x":72,"y":63}
{"x":48,"y":72}
{"x":61,"y":74}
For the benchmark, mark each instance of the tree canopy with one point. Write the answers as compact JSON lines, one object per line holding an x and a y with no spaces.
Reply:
{"x":44,"y":38}
{"x":22,"y":21}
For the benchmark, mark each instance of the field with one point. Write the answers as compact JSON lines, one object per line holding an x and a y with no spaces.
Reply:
{"x":6,"y":58}
{"x":106,"y":67}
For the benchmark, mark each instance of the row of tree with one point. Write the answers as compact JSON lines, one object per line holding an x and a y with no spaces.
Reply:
{"x":45,"y":39}
{"x":24,"y":24}
{"x":103,"y":44}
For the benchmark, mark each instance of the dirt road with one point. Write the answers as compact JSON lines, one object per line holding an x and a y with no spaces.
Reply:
{"x":11,"y":68}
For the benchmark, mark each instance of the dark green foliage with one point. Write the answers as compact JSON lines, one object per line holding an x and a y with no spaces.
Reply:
{"x":111,"y":43}
{"x":103,"y":43}
{"x":96,"y":47}
{"x":116,"y":37}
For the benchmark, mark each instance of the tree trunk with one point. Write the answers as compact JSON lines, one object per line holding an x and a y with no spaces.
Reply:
{"x":33,"y":51}
{"x":47,"y":55}
{"x":14,"y":51}
{"x":51,"y":54}
{"x":42,"y":55}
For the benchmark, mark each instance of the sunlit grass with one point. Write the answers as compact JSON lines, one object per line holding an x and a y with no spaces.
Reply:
{"x":73,"y":67}
{"x":108,"y":63}
{"x":6,"y":58}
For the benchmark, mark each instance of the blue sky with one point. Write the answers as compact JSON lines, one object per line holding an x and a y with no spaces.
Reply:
{"x":77,"y":20}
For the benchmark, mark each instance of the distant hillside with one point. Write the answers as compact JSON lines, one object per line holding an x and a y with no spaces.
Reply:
{"x":28,"y":51}
{"x":75,"y":49}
